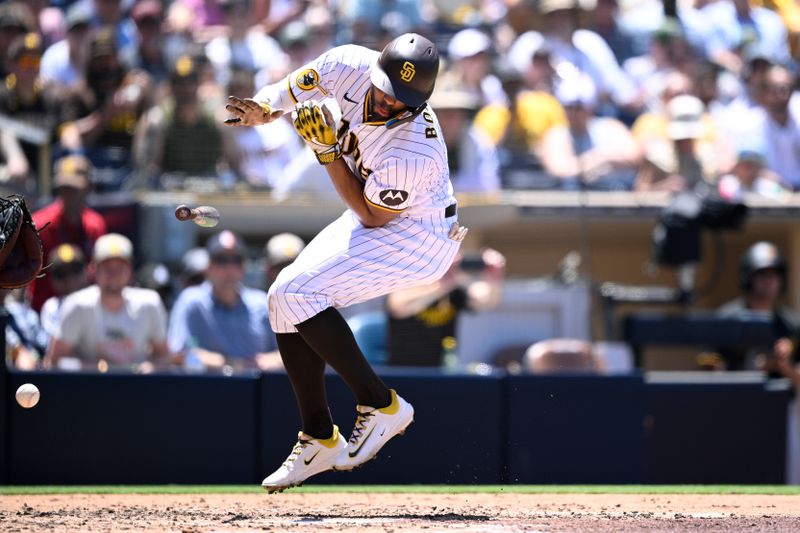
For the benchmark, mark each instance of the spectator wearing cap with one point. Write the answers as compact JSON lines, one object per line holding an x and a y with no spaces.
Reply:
{"x":64,"y":61}
{"x":680,"y":162}
{"x":749,"y":175}
{"x":16,"y":20}
{"x":111,"y":325}
{"x":23,"y":98}
{"x":470,"y":54}
{"x":652,"y":128}
{"x":180,"y":137}
{"x":280,"y":251}
{"x":101,"y":117}
{"x":221,"y":321}
{"x":149,"y":54}
{"x":474,"y":165}
{"x":734,"y":26}
{"x":67,"y":220}
{"x":67,"y":272}
{"x":608,"y":154}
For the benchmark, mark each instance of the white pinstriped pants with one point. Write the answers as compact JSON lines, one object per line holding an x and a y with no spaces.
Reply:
{"x":347,"y":264}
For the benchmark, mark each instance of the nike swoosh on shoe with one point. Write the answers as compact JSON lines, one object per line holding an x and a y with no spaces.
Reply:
{"x":308,"y":461}
{"x":355,"y":452}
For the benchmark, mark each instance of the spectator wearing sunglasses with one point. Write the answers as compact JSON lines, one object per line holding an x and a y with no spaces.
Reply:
{"x":67,"y":273}
{"x":222,"y":324}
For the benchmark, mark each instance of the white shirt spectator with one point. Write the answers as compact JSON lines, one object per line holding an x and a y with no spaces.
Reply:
{"x":783,"y":149}
{"x":469,"y":50}
{"x":123,"y":338}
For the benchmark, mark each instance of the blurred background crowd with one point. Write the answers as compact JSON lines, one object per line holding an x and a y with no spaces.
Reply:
{"x":104,"y":97}
{"x":533,"y":94}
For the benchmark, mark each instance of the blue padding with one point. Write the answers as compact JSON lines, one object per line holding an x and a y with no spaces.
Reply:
{"x":717,"y":433}
{"x":576,"y":429}
{"x":98,"y":429}
{"x":456,"y":437}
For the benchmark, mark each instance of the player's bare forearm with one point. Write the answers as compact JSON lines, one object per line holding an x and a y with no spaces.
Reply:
{"x":351,"y":190}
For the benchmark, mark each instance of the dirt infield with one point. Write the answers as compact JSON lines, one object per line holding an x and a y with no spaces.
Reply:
{"x":368,"y":513}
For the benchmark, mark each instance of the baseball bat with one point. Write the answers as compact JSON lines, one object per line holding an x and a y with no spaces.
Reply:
{"x":203,"y":215}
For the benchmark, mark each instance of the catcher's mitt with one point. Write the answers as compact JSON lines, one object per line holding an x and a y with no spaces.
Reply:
{"x":20,"y":246}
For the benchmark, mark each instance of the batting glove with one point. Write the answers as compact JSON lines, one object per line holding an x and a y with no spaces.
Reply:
{"x":317,"y":122}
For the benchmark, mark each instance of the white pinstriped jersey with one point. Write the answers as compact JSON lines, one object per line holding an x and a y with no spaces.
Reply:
{"x":404,"y":169}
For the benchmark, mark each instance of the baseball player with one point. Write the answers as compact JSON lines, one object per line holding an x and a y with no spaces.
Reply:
{"x":365,"y":116}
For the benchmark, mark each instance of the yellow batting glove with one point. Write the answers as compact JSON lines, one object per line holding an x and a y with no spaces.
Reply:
{"x":316,"y":123}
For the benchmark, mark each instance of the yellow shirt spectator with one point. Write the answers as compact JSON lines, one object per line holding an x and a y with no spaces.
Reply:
{"x":538,"y":126}
{"x":536,"y":112}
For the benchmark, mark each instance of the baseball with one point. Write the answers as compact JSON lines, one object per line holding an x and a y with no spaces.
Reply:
{"x":27,"y":395}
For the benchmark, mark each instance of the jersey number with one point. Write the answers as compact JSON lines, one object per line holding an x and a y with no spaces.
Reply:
{"x":349,"y":143}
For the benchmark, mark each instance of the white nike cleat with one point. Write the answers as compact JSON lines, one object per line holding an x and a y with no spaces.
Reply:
{"x":374,"y":427}
{"x":309,"y":457}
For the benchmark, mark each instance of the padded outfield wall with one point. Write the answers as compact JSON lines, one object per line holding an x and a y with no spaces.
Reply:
{"x":126,"y":429}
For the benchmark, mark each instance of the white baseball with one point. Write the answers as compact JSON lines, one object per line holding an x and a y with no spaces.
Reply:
{"x":27,"y":395}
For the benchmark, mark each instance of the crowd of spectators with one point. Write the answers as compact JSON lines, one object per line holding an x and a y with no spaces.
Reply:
{"x":564,"y":94}
{"x":109,"y":96}
{"x":103,"y":316}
